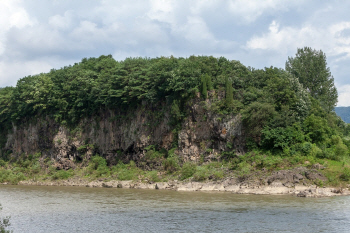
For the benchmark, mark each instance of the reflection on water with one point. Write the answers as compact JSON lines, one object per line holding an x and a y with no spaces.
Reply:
{"x":77,"y":209}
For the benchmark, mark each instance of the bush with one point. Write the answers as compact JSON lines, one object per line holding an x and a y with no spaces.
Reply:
{"x":35,"y":169}
{"x":201,"y":174}
{"x":98,"y":166}
{"x":153,"y":176}
{"x":126,"y":171}
{"x":97,"y":161}
{"x":171,"y":164}
{"x":217,"y":175}
{"x":345,"y":176}
{"x":126,"y":174}
{"x":10,"y":176}
{"x":187,"y":170}
{"x":244,"y":168}
{"x":306,"y":148}
{"x":336,"y":152}
{"x":315,"y":151}
{"x":341,"y":150}
{"x":61,"y":175}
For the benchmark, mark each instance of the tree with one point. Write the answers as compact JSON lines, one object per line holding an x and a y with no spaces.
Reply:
{"x":229,"y":93}
{"x":310,"y":67}
{"x":204,"y":88}
{"x":209,"y":82}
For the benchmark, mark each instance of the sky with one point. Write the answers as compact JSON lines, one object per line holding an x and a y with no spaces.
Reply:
{"x":39,"y":35}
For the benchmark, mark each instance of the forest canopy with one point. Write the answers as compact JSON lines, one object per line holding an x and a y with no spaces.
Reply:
{"x":280,"y":110}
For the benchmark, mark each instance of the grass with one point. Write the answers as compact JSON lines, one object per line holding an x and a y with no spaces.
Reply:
{"x":172,"y":168}
{"x":337,"y":172}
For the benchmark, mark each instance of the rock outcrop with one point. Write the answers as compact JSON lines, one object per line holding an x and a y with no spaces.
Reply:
{"x":125,"y":135}
{"x":227,"y":185}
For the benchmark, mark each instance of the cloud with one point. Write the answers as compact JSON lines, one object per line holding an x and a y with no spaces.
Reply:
{"x":341,"y":45}
{"x":286,"y":38}
{"x":344,"y":95}
{"x":12,"y":15}
{"x":62,"y":22}
{"x":250,"y":11}
{"x":331,"y":39}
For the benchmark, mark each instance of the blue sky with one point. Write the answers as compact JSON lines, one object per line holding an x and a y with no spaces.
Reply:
{"x":37,"y":36}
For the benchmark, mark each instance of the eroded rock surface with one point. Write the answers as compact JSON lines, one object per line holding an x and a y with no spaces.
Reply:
{"x":124,"y":135}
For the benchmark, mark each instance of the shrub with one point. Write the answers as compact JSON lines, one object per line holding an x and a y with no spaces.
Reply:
{"x":341,"y":150}
{"x":10,"y":176}
{"x":345,"y":176}
{"x":126,"y":174}
{"x":153,"y":176}
{"x":306,"y":148}
{"x":315,"y":151}
{"x":171,"y":164}
{"x":2,"y":163}
{"x":61,"y":175}
{"x":126,"y":171}
{"x":217,"y":175}
{"x":97,"y":161}
{"x":187,"y":170}
{"x":244,"y":168}
{"x":201,"y":174}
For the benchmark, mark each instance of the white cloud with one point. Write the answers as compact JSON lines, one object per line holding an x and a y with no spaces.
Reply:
{"x":344,"y":96}
{"x":62,"y":22}
{"x":250,"y":11}
{"x":342,"y":42}
{"x":290,"y":38}
{"x":12,"y":15}
{"x":162,"y":11}
{"x":330,"y":39}
{"x":196,"y":30}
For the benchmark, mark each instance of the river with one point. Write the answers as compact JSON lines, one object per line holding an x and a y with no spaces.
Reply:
{"x":79,"y":209}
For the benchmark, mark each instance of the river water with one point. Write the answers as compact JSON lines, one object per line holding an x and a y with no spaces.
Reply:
{"x":79,"y":209}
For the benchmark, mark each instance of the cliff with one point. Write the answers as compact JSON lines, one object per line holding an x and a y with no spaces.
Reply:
{"x":126,"y":135}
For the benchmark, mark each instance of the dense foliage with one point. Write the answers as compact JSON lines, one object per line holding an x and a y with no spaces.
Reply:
{"x":279,"y":114}
{"x":310,"y":67}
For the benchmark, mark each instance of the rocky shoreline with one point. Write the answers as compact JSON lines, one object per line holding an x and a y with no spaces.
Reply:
{"x":223,"y":186}
{"x":299,"y":181}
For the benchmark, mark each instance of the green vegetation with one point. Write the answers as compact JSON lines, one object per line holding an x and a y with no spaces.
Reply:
{"x":310,"y":67}
{"x":287,"y":115}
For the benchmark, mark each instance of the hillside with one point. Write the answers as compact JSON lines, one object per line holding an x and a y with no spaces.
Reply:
{"x":200,"y":118}
{"x":344,"y":113}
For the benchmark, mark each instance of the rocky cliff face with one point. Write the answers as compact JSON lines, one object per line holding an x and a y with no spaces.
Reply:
{"x":125,"y":135}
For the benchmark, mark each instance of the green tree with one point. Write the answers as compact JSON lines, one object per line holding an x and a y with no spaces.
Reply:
{"x":310,"y":67}
{"x":209,"y":82}
{"x":204,"y":88}
{"x":229,"y":93}
{"x":255,"y":117}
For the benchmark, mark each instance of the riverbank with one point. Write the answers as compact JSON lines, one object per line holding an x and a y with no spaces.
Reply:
{"x":246,"y":174}
{"x":299,"y":182}
{"x":225,"y":186}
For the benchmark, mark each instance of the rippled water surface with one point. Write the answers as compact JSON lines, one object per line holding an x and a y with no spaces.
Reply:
{"x":77,"y":209}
